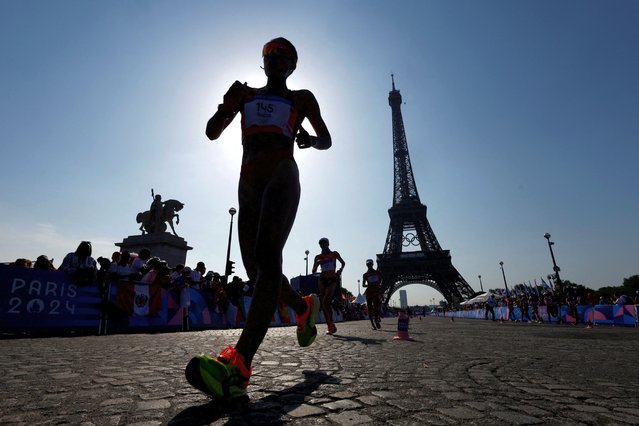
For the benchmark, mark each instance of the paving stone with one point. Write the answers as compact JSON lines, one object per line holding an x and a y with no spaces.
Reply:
{"x":621,"y":418}
{"x":457,"y":396}
{"x":356,"y":377}
{"x":343,"y":395}
{"x":533,"y":411}
{"x":626,"y":410}
{"x":348,"y":418}
{"x":116,"y":401}
{"x":158,"y":404}
{"x":305,"y":410}
{"x":461,"y":413}
{"x":516,"y":418}
{"x":342,"y":404}
{"x":412,"y":404}
{"x":369,"y":400}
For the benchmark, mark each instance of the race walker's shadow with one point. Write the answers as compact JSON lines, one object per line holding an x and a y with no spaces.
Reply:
{"x":266,"y":410}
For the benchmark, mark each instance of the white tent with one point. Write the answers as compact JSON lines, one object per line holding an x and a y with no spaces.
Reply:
{"x":480,"y":298}
{"x":360,"y":299}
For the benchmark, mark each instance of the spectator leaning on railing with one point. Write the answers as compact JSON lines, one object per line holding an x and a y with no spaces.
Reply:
{"x":80,"y":266}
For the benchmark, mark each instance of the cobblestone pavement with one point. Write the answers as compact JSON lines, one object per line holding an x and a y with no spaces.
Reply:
{"x":461,"y":372}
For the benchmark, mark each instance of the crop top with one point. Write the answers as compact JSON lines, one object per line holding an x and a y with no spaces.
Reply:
{"x":372,"y":278}
{"x":328,"y":261}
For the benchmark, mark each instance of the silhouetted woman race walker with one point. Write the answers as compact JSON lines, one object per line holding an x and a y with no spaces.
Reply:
{"x":269,"y":193}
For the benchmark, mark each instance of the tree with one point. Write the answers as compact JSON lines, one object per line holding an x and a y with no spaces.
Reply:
{"x":631,"y":285}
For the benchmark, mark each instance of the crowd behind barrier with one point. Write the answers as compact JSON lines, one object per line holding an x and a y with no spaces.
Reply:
{"x":624,"y":315}
{"x":117,"y":299}
{"x":46,"y":301}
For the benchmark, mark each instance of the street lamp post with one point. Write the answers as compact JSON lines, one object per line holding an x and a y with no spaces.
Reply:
{"x":554,"y":263}
{"x":480,"y":284}
{"x":232,"y":212}
{"x":306,"y":259}
{"x":501,"y":266}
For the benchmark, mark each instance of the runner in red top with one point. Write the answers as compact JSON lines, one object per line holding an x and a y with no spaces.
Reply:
{"x":269,"y":193}
{"x":328,"y":279}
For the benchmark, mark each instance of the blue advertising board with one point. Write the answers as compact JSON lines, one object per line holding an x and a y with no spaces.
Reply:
{"x":36,"y":299}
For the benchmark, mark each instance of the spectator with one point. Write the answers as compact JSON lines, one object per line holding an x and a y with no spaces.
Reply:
{"x":590,"y":299}
{"x":139,"y":264}
{"x":176,"y":273}
{"x":43,"y":262}
{"x":153,"y":265}
{"x":80,"y":266}
{"x":490,"y":305}
{"x":22,"y":263}
{"x":121,"y":270}
{"x":571,"y":305}
{"x":552,"y":307}
{"x":162,"y":278}
{"x":197,"y":275}
{"x":623,"y":299}
{"x":207,"y":289}
{"x":534,"y":308}
{"x":115,"y":257}
{"x":523,"y":306}
{"x":510,"y":308}
{"x":235,"y":293}
{"x":182,"y":284}
{"x":102,"y":276}
{"x":248,"y":288}
{"x":221,"y":298}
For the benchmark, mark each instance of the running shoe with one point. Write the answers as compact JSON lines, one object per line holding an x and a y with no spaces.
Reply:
{"x":331,"y":330}
{"x":223,"y":377}
{"x":378,"y":324}
{"x":306,"y":330}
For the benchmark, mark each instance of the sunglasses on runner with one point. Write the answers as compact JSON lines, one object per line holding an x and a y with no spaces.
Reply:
{"x":277,"y":49}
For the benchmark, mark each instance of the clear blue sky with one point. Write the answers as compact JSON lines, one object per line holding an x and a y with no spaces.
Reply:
{"x":521,"y":118}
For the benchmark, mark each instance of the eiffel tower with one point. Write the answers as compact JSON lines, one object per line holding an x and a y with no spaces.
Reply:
{"x":412,"y":254}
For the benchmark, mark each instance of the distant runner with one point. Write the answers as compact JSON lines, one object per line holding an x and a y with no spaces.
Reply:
{"x":328,"y":279}
{"x":372,"y":280}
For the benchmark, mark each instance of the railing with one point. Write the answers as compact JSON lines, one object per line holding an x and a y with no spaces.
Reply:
{"x":625,"y":315}
{"x":47,"y":302}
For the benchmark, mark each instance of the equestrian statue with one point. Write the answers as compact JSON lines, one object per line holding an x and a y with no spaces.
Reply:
{"x":153,"y":221}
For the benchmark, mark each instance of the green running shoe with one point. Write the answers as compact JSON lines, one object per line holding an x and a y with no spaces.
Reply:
{"x":223,"y":377}
{"x":306,"y":330}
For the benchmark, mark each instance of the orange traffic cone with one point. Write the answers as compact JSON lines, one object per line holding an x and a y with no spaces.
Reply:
{"x":402,"y":327}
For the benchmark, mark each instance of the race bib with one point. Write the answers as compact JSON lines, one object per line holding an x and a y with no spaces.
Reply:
{"x":268,"y":114}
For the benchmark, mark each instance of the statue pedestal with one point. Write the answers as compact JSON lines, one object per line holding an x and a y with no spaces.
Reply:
{"x":167,"y":247}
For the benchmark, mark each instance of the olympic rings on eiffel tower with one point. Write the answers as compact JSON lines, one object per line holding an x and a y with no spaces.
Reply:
{"x":410,"y":239}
